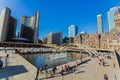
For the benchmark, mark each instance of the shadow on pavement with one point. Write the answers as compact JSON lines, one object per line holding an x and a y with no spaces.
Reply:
{"x":118,"y":57}
{"x":84,"y":62}
{"x":79,"y":72}
{"x":11,"y":71}
{"x":47,"y":77}
{"x":81,"y":66}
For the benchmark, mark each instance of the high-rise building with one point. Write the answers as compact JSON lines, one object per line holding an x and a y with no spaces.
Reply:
{"x":99,"y":24}
{"x":44,"y":40}
{"x":73,"y":30}
{"x":29,"y":27}
{"x":7,"y":25}
{"x":110,"y":14}
{"x":55,"y":38}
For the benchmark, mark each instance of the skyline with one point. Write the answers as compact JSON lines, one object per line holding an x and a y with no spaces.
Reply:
{"x":57,"y":16}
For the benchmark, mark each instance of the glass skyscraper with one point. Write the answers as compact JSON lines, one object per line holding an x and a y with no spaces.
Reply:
{"x":29,"y":28}
{"x":73,"y":30}
{"x":99,"y":24}
{"x":110,"y":14}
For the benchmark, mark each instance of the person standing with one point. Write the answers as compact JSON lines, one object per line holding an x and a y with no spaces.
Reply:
{"x":5,"y":51}
{"x":41,"y":69}
{"x":61,"y":72}
{"x":46,"y":69}
{"x":37,"y":74}
{"x":114,"y":64}
{"x":7,"y":55}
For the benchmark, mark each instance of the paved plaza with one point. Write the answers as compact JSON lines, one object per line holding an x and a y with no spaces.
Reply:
{"x":90,"y":70}
{"x":17,"y":68}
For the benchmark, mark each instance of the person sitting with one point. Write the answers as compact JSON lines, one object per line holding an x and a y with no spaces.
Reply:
{"x":70,"y":68}
{"x":74,"y":68}
{"x":54,"y":70}
{"x":66,"y":68}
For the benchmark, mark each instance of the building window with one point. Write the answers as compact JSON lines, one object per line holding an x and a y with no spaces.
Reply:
{"x":119,"y":23}
{"x":115,"y":24}
{"x":110,"y":41}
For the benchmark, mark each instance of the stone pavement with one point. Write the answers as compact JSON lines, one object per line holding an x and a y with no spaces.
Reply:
{"x":17,"y":68}
{"x":90,"y":70}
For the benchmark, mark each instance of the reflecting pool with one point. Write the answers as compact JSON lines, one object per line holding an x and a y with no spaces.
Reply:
{"x":39,"y":60}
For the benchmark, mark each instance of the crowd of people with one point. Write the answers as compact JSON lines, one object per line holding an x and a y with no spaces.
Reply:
{"x":102,"y":57}
{"x":54,"y":71}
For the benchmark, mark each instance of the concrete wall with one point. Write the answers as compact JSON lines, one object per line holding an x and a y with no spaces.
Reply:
{"x":4,"y":17}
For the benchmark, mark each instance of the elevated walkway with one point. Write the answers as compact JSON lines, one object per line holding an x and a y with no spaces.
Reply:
{"x":16,"y":67}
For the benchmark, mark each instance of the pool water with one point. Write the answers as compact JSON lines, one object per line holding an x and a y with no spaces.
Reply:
{"x":39,"y":60}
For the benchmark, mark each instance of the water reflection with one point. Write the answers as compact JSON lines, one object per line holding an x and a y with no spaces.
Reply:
{"x":39,"y":60}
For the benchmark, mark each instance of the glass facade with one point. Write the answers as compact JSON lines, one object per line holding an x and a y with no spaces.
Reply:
{"x":29,"y":28}
{"x":117,"y":17}
{"x":99,"y":24}
{"x":111,"y":17}
{"x":28,"y":25}
{"x":73,"y":31}
{"x":29,"y":21}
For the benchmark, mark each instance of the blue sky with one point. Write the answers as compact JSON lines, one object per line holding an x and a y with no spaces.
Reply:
{"x":58,"y":15}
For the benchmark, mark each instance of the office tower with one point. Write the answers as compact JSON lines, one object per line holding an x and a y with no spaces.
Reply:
{"x":73,"y":30}
{"x":110,"y":14}
{"x":29,"y":27}
{"x":99,"y":24}
{"x":7,"y":25}
{"x":55,"y":38}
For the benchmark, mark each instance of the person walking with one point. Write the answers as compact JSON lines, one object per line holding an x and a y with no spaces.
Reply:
{"x":105,"y":77}
{"x":103,"y":62}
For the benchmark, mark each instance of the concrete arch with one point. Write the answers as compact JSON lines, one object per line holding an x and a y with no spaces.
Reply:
{"x":91,"y":51}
